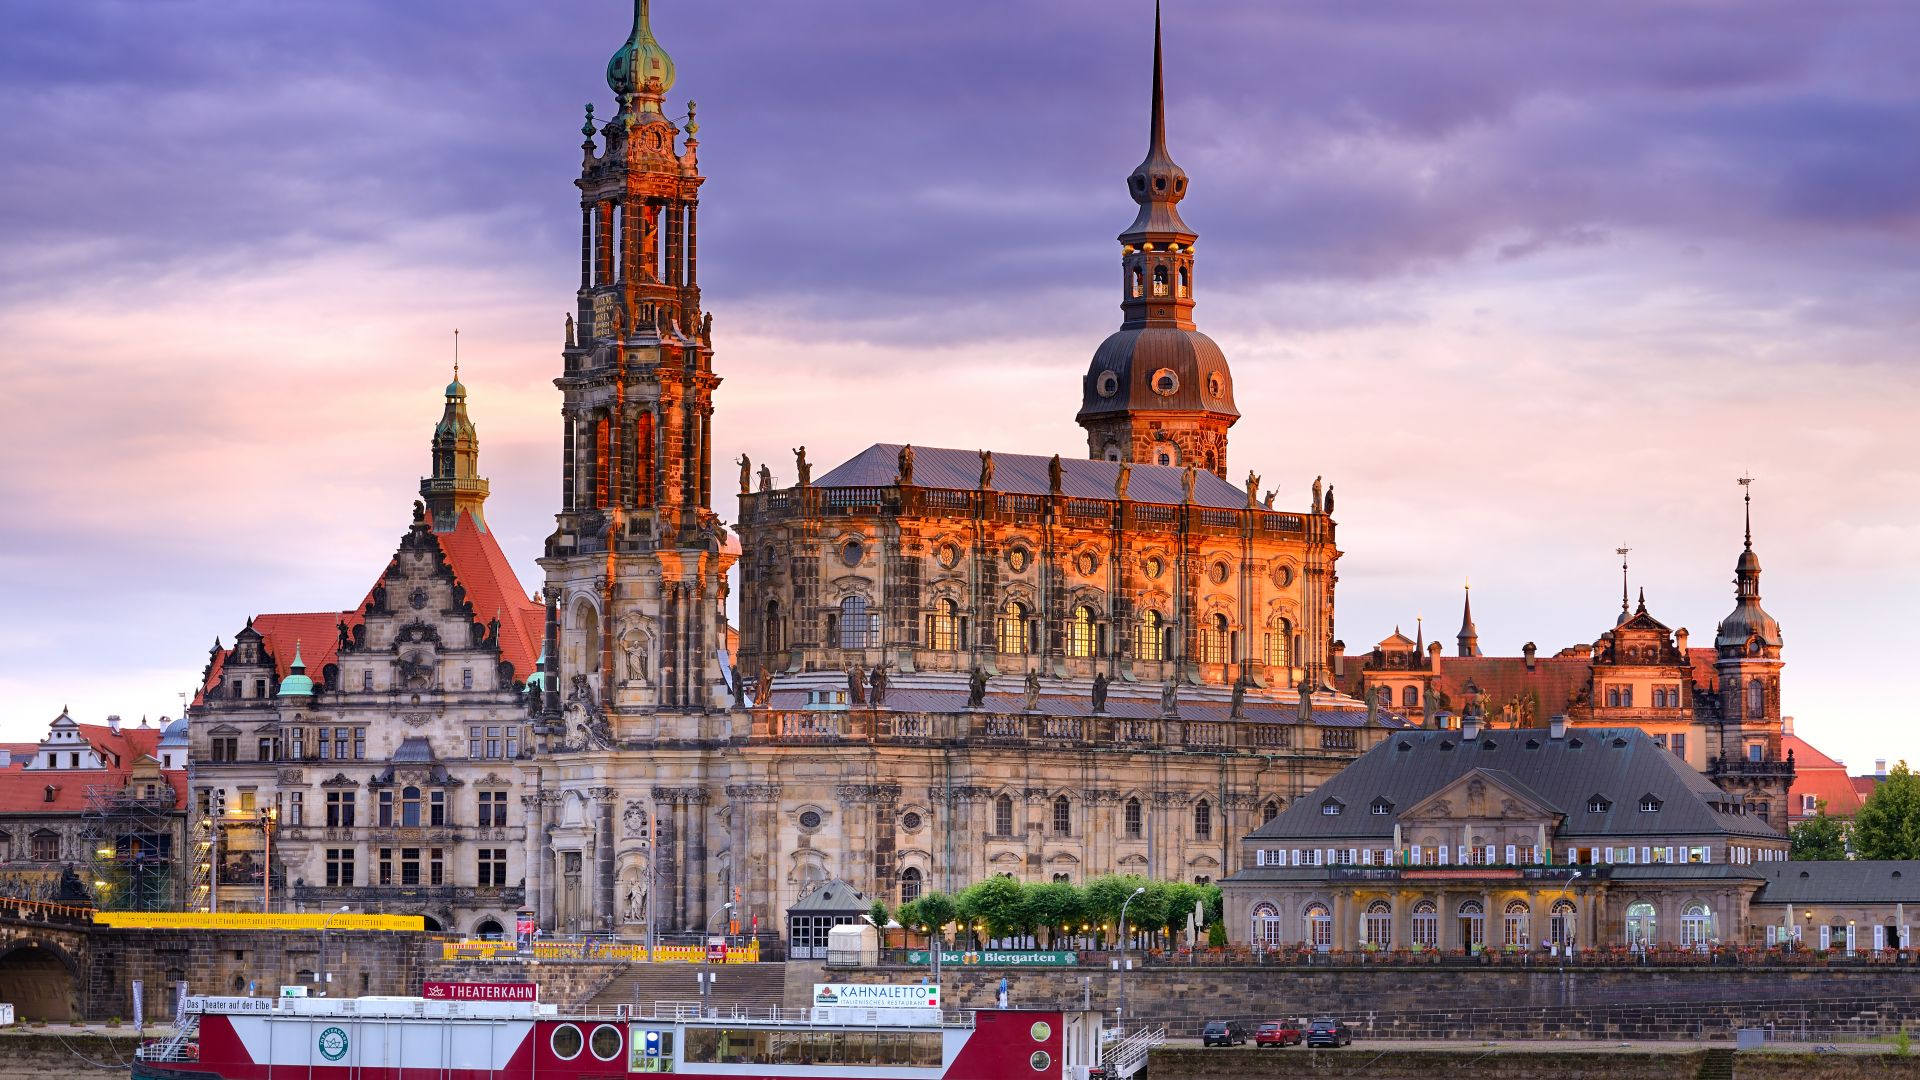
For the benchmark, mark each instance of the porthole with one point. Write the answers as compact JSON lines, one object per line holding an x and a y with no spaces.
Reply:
{"x":1041,"y":1031}
{"x":809,"y":819}
{"x":606,"y":1042}
{"x":1165,"y":382}
{"x":1220,"y":572}
{"x":1040,"y":1060}
{"x":1017,"y":559}
{"x":851,"y":550}
{"x":910,"y":821}
{"x":566,"y":1042}
{"x":1283,"y":576}
{"x":948,"y":555}
{"x":1214,"y":386}
{"x":1088,"y":563}
{"x":1108,"y":384}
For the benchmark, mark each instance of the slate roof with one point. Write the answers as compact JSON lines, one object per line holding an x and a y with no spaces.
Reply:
{"x":1026,"y":474}
{"x":1847,"y":882}
{"x":1621,"y":764}
{"x":836,"y":897}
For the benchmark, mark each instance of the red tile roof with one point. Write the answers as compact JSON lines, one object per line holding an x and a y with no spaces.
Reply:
{"x":1818,"y":775}
{"x":493,"y":588}
{"x":24,"y":790}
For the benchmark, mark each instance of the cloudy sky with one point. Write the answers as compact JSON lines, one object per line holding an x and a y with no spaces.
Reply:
{"x":1524,"y":282}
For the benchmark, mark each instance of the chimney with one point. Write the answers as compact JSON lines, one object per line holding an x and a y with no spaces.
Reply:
{"x":1786,"y":725}
{"x":1879,"y":766}
{"x":6,"y":759}
{"x":1528,"y":650}
{"x":1339,"y":659}
{"x":1470,"y":725}
{"x":1433,"y":658}
{"x":1680,"y":641}
{"x":113,"y":724}
{"x":1557,"y":726}
{"x":1442,"y":721}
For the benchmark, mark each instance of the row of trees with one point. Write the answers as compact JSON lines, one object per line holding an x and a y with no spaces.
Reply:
{"x":1887,"y":826}
{"x":1052,"y":912}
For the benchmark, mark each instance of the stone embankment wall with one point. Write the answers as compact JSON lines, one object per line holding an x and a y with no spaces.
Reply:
{"x":1374,"y":1063}
{"x":27,"y":1054}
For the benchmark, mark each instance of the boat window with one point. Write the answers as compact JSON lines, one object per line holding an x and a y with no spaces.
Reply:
{"x":872,"y":1049}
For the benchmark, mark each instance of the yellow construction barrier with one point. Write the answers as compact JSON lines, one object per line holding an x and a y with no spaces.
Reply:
{"x":202,"y":920}
{"x":594,"y":950}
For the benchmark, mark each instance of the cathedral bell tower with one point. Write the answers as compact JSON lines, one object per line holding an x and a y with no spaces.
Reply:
{"x":636,"y":564}
{"x":1158,"y":391}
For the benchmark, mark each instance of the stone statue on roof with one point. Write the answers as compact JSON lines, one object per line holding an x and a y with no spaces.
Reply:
{"x":856,"y":686}
{"x":766,"y":477}
{"x":906,"y":465}
{"x":1170,"y":698}
{"x":746,"y":474}
{"x":800,"y":467}
{"x":1329,"y":498}
{"x":976,"y":688}
{"x":1187,"y":479}
{"x":569,"y":329}
{"x":877,"y":683}
{"x":1305,"y":711}
{"x":1253,"y":489}
{"x":1056,"y":473}
{"x":1032,"y":687}
{"x":1100,"y":692}
{"x":1239,"y":709}
{"x":986,"y":468}
{"x":1316,"y":494}
{"x":1121,"y":481}
{"x":1267,"y":501}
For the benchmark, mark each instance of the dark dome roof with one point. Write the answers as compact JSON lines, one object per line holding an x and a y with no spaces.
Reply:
{"x":1201,"y":380}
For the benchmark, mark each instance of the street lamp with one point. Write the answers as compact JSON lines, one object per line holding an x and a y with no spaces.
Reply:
{"x":325,"y":975}
{"x":1131,"y":897}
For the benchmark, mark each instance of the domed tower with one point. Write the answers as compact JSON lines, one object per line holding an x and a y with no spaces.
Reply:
{"x":1747,"y":647}
{"x":1158,"y":391}
{"x":456,"y":486}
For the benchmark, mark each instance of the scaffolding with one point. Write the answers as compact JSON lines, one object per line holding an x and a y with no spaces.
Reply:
{"x":130,"y":833}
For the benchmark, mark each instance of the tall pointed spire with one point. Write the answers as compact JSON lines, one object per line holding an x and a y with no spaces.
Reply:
{"x":1622,"y":552}
{"x":1469,"y":637}
{"x":1157,"y":131}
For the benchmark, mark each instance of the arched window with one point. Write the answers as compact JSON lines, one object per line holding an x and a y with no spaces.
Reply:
{"x":489,"y":928}
{"x":643,"y":460}
{"x":1561,"y":926}
{"x":1003,"y":816}
{"x":1135,"y":287}
{"x":1279,"y":644}
{"x":1756,"y":698}
{"x":1159,"y":281}
{"x":1151,"y":643}
{"x":770,"y":635}
{"x":1269,"y":930}
{"x":1269,"y":811}
{"x":1135,"y":824}
{"x":1013,"y":636}
{"x":1409,"y":697}
{"x":1613,"y":697}
{"x":1426,"y":924}
{"x":1378,"y":926}
{"x":1203,"y":819}
{"x":1319,"y":926}
{"x":1186,"y":281}
{"x":1515,"y":930}
{"x":1641,"y":926}
{"x":410,"y":808}
{"x":857,"y":626}
{"x":1213,"y":643}
{"x":1384,"y":695}
{"x":910,"y":883}
{"x":1081,"y":632}
{"x":943,"y":626}
{"x":1696,"y":926}
{"x":1062,"y":816}
{"x":1473,"y":923}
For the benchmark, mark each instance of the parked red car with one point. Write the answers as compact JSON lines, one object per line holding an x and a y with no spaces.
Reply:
{"x":1277,"y":1033}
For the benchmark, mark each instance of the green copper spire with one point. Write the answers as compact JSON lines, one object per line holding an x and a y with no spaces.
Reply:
{"x":296,"y":684}
{"x":640,"y":62}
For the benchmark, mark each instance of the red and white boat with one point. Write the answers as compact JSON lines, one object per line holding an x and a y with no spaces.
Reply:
{"x":400,"y":1038}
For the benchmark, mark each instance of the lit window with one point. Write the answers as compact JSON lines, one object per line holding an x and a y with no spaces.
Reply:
{"x":1081,"y":632}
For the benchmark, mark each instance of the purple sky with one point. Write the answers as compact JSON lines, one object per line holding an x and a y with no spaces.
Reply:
{"x":1524,"y":288}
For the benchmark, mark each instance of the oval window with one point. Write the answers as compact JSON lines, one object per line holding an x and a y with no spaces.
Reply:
{"x":809,"y":819}
{"x":1283,"y":576}
{"x":1214,"y":385}
{"x":1221,"y":572}
{"x":605,"y":1042}
{"x":910,"y":821}
{"x":1088,"y":563}
{"x":949,"y":555}
{"x":1017,"y":558}
{"x":850,"y":552}
{"x":1165,"y":382}
{"x":1154,"y":567}
{"x":1108,"y":384}
{"x":566,"y":1042}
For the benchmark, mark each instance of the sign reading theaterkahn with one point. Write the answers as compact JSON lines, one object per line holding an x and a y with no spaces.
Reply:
{"x":453,"y":991}
{"x":876,"y":996}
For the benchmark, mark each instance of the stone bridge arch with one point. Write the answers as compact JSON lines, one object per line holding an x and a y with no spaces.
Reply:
{"x":40,"y":978}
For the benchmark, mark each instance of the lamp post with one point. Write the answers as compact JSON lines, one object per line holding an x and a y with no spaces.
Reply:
{"x":325,"y":975}
{"x":1131,"y":897}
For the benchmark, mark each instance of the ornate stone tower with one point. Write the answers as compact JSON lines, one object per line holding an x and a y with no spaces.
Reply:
{"x":1747,"y":646}
{"x":636,"y":566}
{"x":1469,"y":637}
{"x":456,"y":486}
{"x":1158,"y":391}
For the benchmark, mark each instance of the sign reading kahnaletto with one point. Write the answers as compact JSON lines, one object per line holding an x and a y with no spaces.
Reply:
{"x":876,"y":995}
{"x":994,"y":958}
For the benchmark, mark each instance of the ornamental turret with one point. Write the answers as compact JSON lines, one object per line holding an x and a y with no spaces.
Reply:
{"x":455,"y":486}
{"x":1158,"y":391}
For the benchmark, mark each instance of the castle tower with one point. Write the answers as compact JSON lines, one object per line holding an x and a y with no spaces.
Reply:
{"x":1747,"y":657}
{"x":1158,"y":391}
{"x":455,"y":487}
{"x":1469,"y":637}
{"x":636,"y":561}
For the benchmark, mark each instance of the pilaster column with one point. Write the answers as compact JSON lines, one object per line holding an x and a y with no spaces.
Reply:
{"x":603,"y":845}
{"x":696,"y":803}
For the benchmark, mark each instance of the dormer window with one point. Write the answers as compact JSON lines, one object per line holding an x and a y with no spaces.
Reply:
{"x":1649,"y":804}
{"x":1332,"y":807}
{"x":1598,"y":805}
{"x":1382,"y":806}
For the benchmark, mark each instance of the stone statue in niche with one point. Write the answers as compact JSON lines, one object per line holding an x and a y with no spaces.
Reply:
{"x":635,"y":642}
{"x":636,"y":906}
{"x":746,"y":475}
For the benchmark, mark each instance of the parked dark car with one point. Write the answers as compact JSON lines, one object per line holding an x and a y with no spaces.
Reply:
{"x":1224,"y":1033}
{"x":1326,"y":1031}
{"x":1277,"y":1033}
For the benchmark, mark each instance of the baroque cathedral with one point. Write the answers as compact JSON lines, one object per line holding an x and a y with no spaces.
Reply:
{"x":951,"y":663}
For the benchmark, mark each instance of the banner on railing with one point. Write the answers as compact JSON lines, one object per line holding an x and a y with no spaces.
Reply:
{"x":635,"y":952}
{"x":997,"y":958}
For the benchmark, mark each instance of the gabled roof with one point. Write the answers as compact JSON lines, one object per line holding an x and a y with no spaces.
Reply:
{"x":1818,"y":775}
{"x":1026,"y":474}
{"x":23,"y":790}
{"x":1562,"y":774}
{"x":836,"y":897}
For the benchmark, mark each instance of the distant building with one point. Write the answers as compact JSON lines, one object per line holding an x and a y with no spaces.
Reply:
{"x":96,"y":813}
{"x":1818,"y":779}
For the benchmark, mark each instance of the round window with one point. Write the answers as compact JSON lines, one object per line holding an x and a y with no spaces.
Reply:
{"x":949,"y":555}
{"x":1108,"y":384}
{"x":1042,"y":1031}
{"x":1088,"y":563}
{"x":1017,"y":558}
{"x":1220,"y":572}
{"x":1283,"y":576}
{"x":1165,"y":382}
{"x":566,"y":1042}
{"x":1154,"y":567}
{"x":809,"y":819}
{"x":910,"y":821}
{"x":605,"y":1042}
{"x":1040,"y":1060}
{"x":1214,"y":386}
{"x":850,"y":552}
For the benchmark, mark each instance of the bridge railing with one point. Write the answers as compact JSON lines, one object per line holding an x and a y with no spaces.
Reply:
{"x":49,"y":912}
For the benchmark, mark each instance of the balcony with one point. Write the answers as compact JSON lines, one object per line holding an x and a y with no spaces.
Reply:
{"x":1767,"y":768}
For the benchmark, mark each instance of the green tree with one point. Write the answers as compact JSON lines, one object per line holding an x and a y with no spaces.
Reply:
{"x":1819,"y":837}
{"x":935,"y":910}
{"x":1216,"y":935}
{"x":878,"y":913}
{"x":1055,"y":906}
{"x":998,"y":903}
{"x":1888,"y":825}
{"x":908,"y":915}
